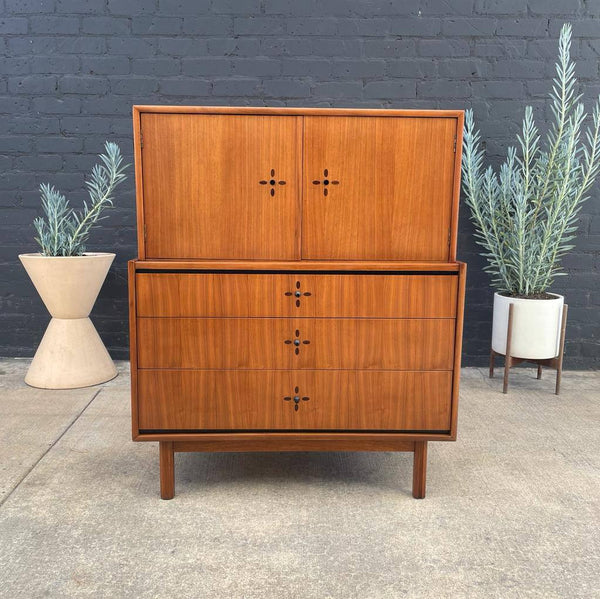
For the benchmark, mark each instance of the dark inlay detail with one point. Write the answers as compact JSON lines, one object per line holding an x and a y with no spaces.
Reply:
{"x":297,"y":342}
{"x":296,"y":398}
{"x":298,"y":294}
{"x":326,"y":181}
{"x":272,"y":182}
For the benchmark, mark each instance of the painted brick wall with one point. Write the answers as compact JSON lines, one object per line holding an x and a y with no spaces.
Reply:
{"x":71,"y":70}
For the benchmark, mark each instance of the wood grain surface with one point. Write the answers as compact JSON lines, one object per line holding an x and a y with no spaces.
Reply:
{"x":297,"y":111}
{"x":133,"y":345}
{"x":350,"y":400}
{"x":388,"y":185}
{"x":420,"y":470}
{"x":301,"y":295}
{"x":202,"y":190}
{"x":298,"y":265}
{"x":292,"y":442}
{"x":270,"y":343}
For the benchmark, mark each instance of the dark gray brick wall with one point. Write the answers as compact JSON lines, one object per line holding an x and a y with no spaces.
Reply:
{"x":71,"y":70}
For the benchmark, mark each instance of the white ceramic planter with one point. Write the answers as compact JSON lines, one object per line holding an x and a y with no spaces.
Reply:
{"x":535,"y":330}
{"x":71,"y":353}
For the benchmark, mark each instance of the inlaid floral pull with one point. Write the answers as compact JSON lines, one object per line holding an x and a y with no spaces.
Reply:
{"x":297,"y":341}
{"x":272,"y":182}
{"x":326,"y":181}
{"x":298,"y":294}
{"x":296,"y":398}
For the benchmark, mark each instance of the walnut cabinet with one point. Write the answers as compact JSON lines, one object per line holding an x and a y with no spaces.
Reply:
{"x":297,"y":285}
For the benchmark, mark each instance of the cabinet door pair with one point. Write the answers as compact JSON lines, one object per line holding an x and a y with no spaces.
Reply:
{"x":292,"y":187}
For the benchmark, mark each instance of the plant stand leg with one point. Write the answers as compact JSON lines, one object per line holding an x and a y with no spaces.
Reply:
{"x":539,"y":372}
{"x":507,"y":358}
{"x":561,"y":350}
{"x":167,"y":470}
{"x":492,"y":355}
{"x":419,"y":469}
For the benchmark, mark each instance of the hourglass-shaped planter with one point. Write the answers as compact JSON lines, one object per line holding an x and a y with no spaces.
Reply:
{"x":71,"y":353}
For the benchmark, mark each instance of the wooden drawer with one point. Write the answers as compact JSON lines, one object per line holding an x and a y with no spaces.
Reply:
{"x":284,"y":343}
{"x":327,"y":295}
{"x":189,"y":400}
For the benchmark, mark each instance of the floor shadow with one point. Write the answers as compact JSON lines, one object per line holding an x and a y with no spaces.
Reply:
{"x":384,"y":470}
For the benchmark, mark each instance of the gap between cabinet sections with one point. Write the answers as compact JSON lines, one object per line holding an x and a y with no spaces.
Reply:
{"x":300,"y":200}
{"x":292,"y":317}
{"x":233,"y":270}
{"x":296,"y":368}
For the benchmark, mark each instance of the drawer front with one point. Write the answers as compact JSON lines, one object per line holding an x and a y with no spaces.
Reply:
{"x":284,"y":343}
{"x":265,"y":400}
{"x":303,"y":295}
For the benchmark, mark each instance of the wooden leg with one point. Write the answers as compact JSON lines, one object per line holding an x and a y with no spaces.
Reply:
{"x":492,"y":354}
{"x":507,"y":361}
{"x":419,"y":469}
{"x":561,"y":348}
{"x":539,"y":373}
{"x":167,"y":470}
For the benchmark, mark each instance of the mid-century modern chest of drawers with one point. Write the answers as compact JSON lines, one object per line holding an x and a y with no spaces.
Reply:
{"x":297,"y":287}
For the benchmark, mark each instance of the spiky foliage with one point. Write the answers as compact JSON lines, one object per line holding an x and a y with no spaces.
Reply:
{"x":64,"y":231}
{"x":525,"y":215}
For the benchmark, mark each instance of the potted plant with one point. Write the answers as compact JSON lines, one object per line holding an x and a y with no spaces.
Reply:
{"x":68,"y":279}
{"x":525,"y":215}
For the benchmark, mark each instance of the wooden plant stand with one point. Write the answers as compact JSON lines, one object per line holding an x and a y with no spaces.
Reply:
{"x":509,"y":361}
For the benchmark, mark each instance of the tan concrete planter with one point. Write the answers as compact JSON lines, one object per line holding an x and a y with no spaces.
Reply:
{"x":71,"y":353}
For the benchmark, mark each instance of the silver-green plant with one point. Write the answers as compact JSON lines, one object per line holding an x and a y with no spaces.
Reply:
{"x":64,"y":231}
{"x":526,"y":215}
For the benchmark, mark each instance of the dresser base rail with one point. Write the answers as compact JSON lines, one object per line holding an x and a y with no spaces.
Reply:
{"x":167,"y":451}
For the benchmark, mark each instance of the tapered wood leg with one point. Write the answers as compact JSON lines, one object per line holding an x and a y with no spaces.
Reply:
{"x":507,"y":360}
{"x":561,"y":349}
{"x":419,"y":469}
{"x":539,"y":372}
{"x":167,"y":470}
{"x":492,"y":354}
{"x":506,"y":372}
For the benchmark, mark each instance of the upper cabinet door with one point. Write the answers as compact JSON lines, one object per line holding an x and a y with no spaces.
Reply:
{"x":378,"y":187}
{"x":221,"y":186}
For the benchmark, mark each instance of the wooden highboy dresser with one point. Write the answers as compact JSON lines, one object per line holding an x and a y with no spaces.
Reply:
{"x":297,"y":287}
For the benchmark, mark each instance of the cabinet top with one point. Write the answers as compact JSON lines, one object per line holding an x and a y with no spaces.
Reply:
{"x":291,"y":111}
{"x":262,"y":183}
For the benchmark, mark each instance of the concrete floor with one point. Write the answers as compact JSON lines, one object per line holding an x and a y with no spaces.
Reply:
{"x":512,"y":508}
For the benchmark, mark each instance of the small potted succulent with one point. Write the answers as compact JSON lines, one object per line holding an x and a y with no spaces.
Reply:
{"x":526,"y":214}
{"x":68,"y":279}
